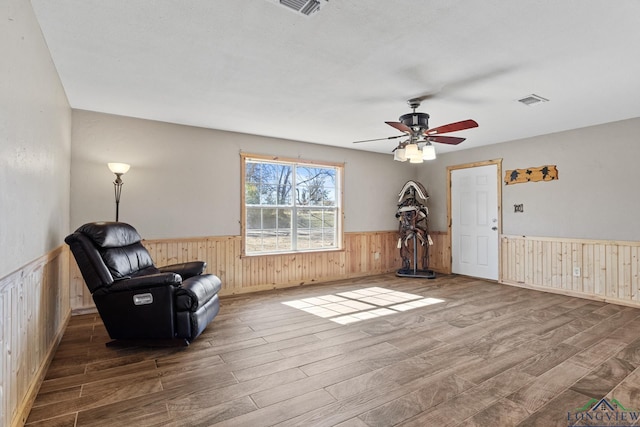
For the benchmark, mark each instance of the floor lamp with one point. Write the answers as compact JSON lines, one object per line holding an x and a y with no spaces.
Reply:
{"x":119,"y":169}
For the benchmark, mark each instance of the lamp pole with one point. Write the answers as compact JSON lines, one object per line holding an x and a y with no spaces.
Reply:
{"x":117,"y":186}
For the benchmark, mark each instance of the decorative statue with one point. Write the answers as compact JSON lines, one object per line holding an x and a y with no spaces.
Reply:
{"x":413,"y":230}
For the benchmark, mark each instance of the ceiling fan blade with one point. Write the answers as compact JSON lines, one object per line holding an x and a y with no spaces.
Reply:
{"x":380,"y":139}
{"x":452,"y":127}
{"x":400,"y":126}
{"x":451,"y":140}
{"x":422,"y":97}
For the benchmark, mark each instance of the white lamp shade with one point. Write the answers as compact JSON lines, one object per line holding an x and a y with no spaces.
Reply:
{"x":118,"y":168}
{"x":412,"y":151}
{"x":416,"y":160}
{"x":428,"y":152}
{"x":399,"y":155}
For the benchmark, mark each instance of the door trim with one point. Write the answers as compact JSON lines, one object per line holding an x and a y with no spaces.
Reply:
{"x":498,"y":163}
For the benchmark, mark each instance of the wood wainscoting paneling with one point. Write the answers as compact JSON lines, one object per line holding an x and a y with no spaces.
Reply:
{"x":595,"y":269}
{"x":34,"y":310}
{"x":364,"y":253}
{"x":440,"y":252}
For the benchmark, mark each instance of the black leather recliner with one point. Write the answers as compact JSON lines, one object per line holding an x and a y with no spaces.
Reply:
{"x":137,"y":300}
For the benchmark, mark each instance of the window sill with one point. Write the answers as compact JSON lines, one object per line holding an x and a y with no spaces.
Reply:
{"x":290,"y":253}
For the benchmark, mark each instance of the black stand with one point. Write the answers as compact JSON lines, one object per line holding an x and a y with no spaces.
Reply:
{"x":415,"y":272}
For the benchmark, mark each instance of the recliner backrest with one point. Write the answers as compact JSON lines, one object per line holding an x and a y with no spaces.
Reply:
{"x":109,"y":251}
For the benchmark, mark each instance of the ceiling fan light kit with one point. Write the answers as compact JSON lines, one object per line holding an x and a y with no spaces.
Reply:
{"x":399,"y":155}
{"x":428,"y":152}
{"x":411,"y":151}
{"x":415,"y":125}
{"x":415,"y":153}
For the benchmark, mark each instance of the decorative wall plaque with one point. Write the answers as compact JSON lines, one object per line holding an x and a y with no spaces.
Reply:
{"x":542,"y":173}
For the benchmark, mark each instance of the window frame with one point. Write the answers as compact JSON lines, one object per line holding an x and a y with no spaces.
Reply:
{"x":339,"y":210}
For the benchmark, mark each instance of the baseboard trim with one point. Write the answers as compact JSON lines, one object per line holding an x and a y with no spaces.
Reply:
{"x":84,"y":310}
{"x":570,"y":293}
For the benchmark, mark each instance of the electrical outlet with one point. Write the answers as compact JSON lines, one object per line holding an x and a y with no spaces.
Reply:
{"x":518,"y":208}
{"x":576,"y":271}
{"x":376,"y":256}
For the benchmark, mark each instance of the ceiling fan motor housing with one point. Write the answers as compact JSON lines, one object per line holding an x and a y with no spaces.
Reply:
{"x":415,"y":120}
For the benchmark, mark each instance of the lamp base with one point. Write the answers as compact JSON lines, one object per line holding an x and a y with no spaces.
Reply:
{"x":420,"y":274}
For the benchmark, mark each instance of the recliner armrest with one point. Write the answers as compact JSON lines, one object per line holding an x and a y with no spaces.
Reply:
{"x":196,"y":291}
{"x":185,"y":269}
{"x":148,"y":281}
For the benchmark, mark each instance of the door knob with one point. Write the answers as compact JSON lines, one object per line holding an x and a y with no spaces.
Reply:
{"x":494,"y":228}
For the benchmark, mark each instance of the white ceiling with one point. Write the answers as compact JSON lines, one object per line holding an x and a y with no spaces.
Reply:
{"x":256,"y":67}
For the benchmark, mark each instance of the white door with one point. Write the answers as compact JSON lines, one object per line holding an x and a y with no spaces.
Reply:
{"x":474,"y":221}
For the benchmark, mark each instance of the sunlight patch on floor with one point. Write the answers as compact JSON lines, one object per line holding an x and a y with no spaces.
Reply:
{"x":361,"y":304}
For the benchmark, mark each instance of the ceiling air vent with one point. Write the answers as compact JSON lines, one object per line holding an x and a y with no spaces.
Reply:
{"x":532,"y":99}
{"x":305,"y":7}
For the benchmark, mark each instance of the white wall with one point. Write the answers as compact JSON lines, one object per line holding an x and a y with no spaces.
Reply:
{"x":185,"y":181}
{"x":35,"y":126}
{"x":596,"y":195}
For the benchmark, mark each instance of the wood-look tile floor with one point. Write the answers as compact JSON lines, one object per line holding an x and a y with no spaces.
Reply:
{"x":488,"y":355}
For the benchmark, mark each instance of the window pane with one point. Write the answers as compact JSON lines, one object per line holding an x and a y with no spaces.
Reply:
{"x":329,"y":219}
{"x":254,"y":219}
{"x":302,"y":195}
{"x":253,"y":241}
{"x":284,"y":241}
{"x":328,"y":237}
{"x":329,"y":197}
{"x":275,"y":173}
{"x":302,"y":239}
{"x":303,"y":219}
{"x":284,"y":230}
{"x":315,"y":186}
{"x":284,"y":219}
{"x":268,"y":219}
{"x":315,"y":218}
{"x":315,"y":239}
{"x":252,"y":172}
{"x":320,"y":230}
{"x":269,"y":241}
{"x":251,"y":193}
{"x":284,"y":195}
{"x":316,"y":194}
{"x":268,"y":194}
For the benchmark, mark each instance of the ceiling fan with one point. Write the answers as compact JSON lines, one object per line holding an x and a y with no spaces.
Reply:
{"x":415,"y":125}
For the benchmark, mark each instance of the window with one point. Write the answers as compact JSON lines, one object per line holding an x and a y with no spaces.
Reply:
{"x":290,"y":205}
